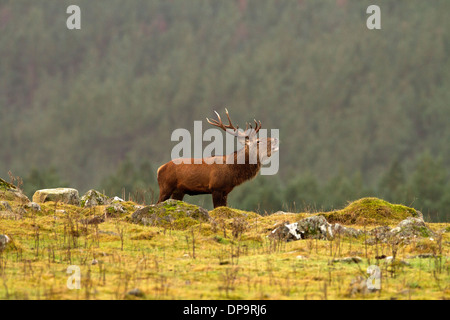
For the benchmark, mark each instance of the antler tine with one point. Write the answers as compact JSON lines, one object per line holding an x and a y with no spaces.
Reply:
{"x":215,"y":122}
{"x":235,"y":129}
{"x":230,"y":124}
{"x":258,"y":125}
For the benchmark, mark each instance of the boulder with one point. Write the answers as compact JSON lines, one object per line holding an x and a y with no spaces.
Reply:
{"x":93,"y":198}
{"x":314,"y":227}
{"x":115,"y":209}
{"x":405,"y":231}
{"x":4,"y":240}
{"x":171,"y":213}
{"x":412,"y":227}
{"x":34,"y":206}
{"x":64,"y":195}
{"x":339,"y":230}
{"x":288,"y":232}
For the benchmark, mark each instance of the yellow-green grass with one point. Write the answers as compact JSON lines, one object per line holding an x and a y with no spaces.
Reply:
{"x":204,"y":261}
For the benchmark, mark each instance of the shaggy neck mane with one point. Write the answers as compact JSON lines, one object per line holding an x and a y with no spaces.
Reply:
{"x":242,"y":172}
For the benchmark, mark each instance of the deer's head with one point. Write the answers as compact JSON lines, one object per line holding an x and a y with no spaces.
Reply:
{"x":256,"y":149}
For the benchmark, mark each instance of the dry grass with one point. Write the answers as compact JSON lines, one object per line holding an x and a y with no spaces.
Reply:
{"x":228,"y":258}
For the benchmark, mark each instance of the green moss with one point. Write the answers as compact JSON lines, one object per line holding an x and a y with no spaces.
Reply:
{"x":171,"y":214}
{"x":221,"y":240}
{"x":370,"y":211}
{"x":425,"y":232}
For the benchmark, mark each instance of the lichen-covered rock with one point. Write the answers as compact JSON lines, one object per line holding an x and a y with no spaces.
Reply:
{"x":10,"y":193}
{"x":288,"y":232}
{"x":405,"y":231}
{"x":115,"y":209}
{"x":64,"y":195}
{"x":33,"y":206}
{"x":412,"y":227}
{"x":314,"y":227}
{"x":339,"y":230}
{"x":4,"y":240}
{"x":93,"y":198}
{"x":171,"y":213}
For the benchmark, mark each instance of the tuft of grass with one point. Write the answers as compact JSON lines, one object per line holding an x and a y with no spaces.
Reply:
{"x":372,"y":211}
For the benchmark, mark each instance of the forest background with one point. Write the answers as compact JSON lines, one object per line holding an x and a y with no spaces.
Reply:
{"x":361,"y":112}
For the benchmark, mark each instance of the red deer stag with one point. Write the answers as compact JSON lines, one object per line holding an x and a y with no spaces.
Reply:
{"x":216,"y":175}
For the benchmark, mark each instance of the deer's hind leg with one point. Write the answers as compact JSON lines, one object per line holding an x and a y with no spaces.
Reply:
{"x":178,"y":195}
{"x":165,"y":191}
{"x":163,"y":196}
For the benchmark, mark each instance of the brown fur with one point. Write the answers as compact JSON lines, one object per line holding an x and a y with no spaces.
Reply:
{"x":176,"y":180}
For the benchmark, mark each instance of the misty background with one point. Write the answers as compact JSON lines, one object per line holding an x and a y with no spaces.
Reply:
{"x":360,"y":112}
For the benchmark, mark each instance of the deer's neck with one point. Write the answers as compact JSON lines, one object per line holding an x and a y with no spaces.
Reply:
{"x":240,"y":170}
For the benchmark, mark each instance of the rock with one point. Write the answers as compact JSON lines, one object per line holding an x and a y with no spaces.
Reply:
{"x":10,"y":192}
{"x":345,"y":231}
{"x":64,"y":195}
{"x":136,"y":292}
{"x":115,"y":209}
{"x":4,"y":205}
{"x":419,"y":215}
{"x":171,"y":213}
{"x":287,"y":232}
{"x":34,"y":206}
{"x":93,"y":198}
{"x":4,"y":240}
{"x":412,"y":227}
{"x":379,"y":234}
{"x":405,"y":231}
{"x":315,"y":227}
{"x":422,"y":256}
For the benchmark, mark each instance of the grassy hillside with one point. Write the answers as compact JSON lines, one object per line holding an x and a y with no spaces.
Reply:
{"x":229,"y":256}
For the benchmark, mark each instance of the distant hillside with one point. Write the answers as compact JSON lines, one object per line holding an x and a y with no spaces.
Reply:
{"x":360,"y":113}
